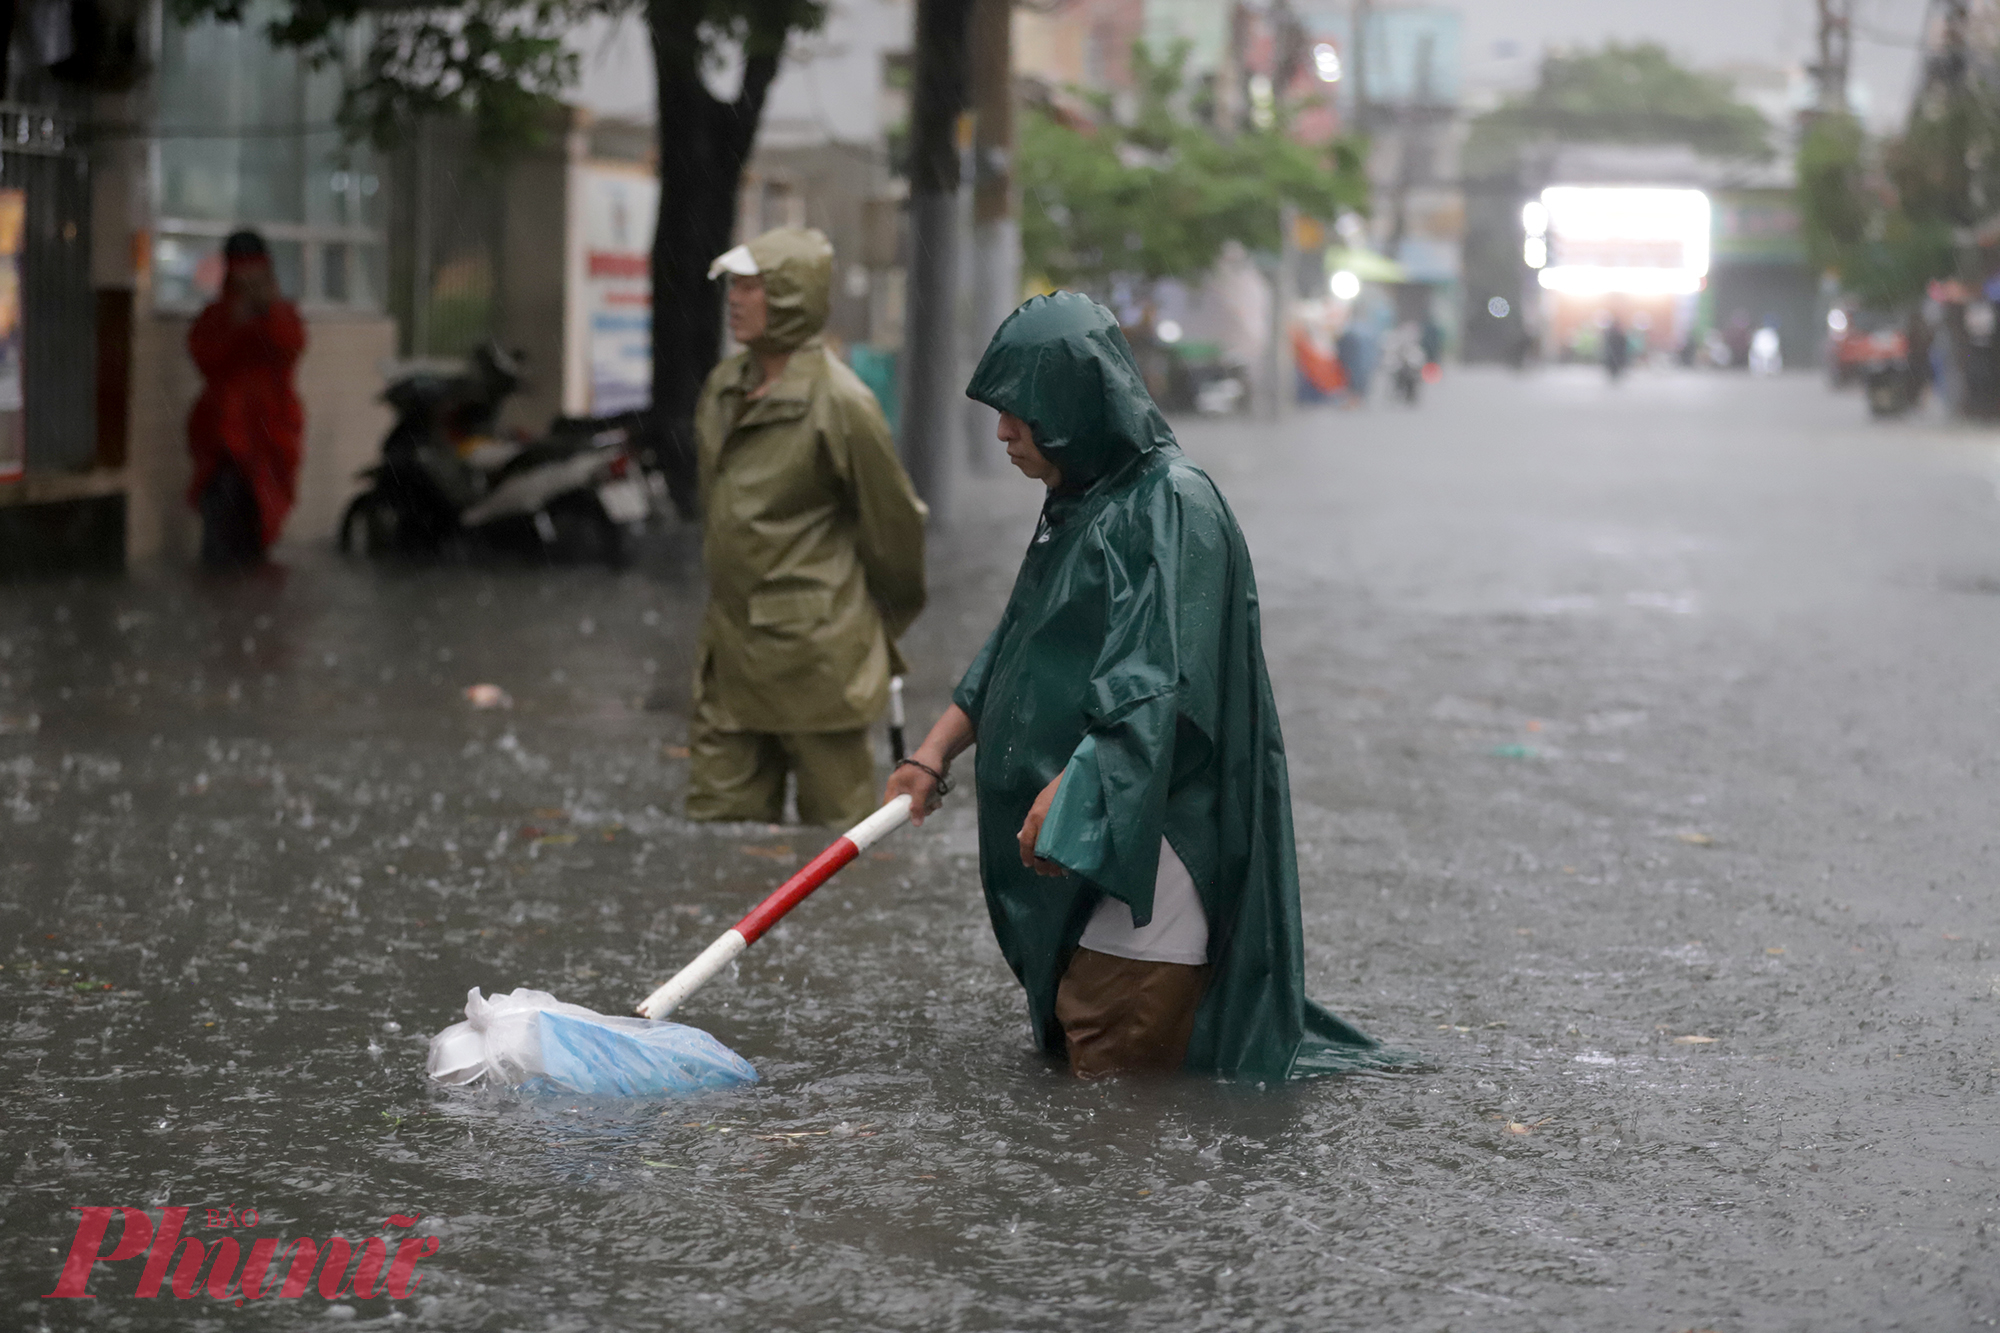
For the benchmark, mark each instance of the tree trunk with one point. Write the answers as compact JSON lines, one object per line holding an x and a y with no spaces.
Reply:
{"x":7,"y":16}
{"x":703,"y":144}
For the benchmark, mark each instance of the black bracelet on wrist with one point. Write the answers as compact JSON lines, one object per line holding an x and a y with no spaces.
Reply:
{"x":943,"y":782}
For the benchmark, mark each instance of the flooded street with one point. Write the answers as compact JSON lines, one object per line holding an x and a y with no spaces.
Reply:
{"x":1643,"y":742}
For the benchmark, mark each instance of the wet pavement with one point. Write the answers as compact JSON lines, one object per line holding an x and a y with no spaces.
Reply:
{"x":1644,"y":748}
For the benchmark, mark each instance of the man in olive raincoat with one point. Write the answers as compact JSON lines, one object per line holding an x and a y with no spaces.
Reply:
{"x":814,"y":548}
{"x":1135,"y":820}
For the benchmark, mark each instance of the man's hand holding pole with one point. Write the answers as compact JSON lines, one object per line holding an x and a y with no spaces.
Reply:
{"x":923,"y":776}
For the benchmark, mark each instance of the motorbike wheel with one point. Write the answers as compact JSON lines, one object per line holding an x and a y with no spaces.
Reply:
{"x":369,"y":526}
{"x":1886,"y":398}
{"x":585,"y":533}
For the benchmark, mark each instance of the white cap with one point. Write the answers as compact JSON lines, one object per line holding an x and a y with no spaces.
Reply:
{"x":737,"y":261}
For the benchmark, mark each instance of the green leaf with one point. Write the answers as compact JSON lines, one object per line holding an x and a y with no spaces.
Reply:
{"x":1632,"y":94}
{"x":502,"y":64}
{"x":1158,"y":193}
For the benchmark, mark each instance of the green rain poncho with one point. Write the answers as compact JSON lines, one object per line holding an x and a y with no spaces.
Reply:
{"x":1129,"y":660}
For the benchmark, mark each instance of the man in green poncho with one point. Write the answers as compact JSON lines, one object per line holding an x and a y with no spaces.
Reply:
{"x":813,"y":542}
{"x":1135,"y":820}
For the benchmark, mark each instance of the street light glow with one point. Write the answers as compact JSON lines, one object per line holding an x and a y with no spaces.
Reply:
{"x":1605,"y":239}
{"x":1600,"y":280}
{"x":1326,"y":63}
{"x":1345,"y":286}
{"x":1534,"y":218}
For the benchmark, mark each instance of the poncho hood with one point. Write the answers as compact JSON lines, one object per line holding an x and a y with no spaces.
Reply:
{"x":1061,"y":364}
{"x":796,"y":264}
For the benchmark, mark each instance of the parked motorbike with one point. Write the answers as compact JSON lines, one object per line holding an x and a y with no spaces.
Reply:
{"x":1403,"y":358}
{"x":448,"y":479}
{"x":1409,"y":381}
{"x":1890,"y":387}
{"x":1888,"y":381}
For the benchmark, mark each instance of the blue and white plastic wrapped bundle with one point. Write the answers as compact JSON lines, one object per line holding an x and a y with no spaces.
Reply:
{"x":532,"y":1040}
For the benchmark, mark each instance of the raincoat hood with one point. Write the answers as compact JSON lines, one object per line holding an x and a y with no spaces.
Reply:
{"x":1061,"y":364}
{"x":797,"y":267}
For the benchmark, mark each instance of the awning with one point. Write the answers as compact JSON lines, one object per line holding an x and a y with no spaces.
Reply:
{"x":1365,"y":265}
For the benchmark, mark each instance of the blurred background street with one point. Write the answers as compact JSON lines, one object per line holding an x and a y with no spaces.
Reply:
{"x":1608,"y":393}
{"x":1641,"y":737}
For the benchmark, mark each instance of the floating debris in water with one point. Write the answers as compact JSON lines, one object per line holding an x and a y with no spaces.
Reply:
{"x":531,"y":1040}
{"x":488,"y":696}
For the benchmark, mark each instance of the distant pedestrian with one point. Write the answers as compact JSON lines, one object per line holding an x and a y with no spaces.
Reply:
{"x":1617,"y":347}
{"x":246,"y":431}
{"x":1766,"y":350}
{"x":1135,"y":816}
{"x":1526,"y":347}
{"x":813,"y":545}
{"x":1356,"y":351}
{"x":1736,"y":335}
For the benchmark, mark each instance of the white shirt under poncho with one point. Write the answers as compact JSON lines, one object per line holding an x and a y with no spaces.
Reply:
{"x":1178,"y":932}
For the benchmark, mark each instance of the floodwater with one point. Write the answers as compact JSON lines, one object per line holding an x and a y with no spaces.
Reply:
{"x":1643,"y":748}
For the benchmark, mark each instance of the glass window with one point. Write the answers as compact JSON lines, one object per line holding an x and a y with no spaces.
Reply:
{"x":246,"y":138}
{"x":370,"y":283}
{"x":288,"y":263}
{"x":333,"y":282}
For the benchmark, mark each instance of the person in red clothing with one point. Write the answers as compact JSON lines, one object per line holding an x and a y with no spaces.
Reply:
{"x":246,"y":430}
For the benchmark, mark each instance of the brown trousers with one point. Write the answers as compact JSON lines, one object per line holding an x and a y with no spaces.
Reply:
{"x":1126,"y":1015}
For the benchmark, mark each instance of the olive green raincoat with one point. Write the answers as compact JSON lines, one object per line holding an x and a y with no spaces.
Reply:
{"x":814,"y":539}
{"x":1129,"y":661}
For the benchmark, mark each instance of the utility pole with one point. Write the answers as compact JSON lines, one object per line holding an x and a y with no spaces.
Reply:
{"x":930,"y":339}
{"x":424,"y":246}
{"x":1942,"y":99}
{"x":1280,"y":369}
{"x":1836,"y":33}
{"x":996,"y":233}
{"x":1410,"y":123}
{"x":1229,"y":75}
{"x":1290,"y":57}
{"x":1951,"y":48}
{"x":1357,"y":62}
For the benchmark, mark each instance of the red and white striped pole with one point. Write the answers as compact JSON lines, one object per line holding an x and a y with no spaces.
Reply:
{"x":767,"y":913}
